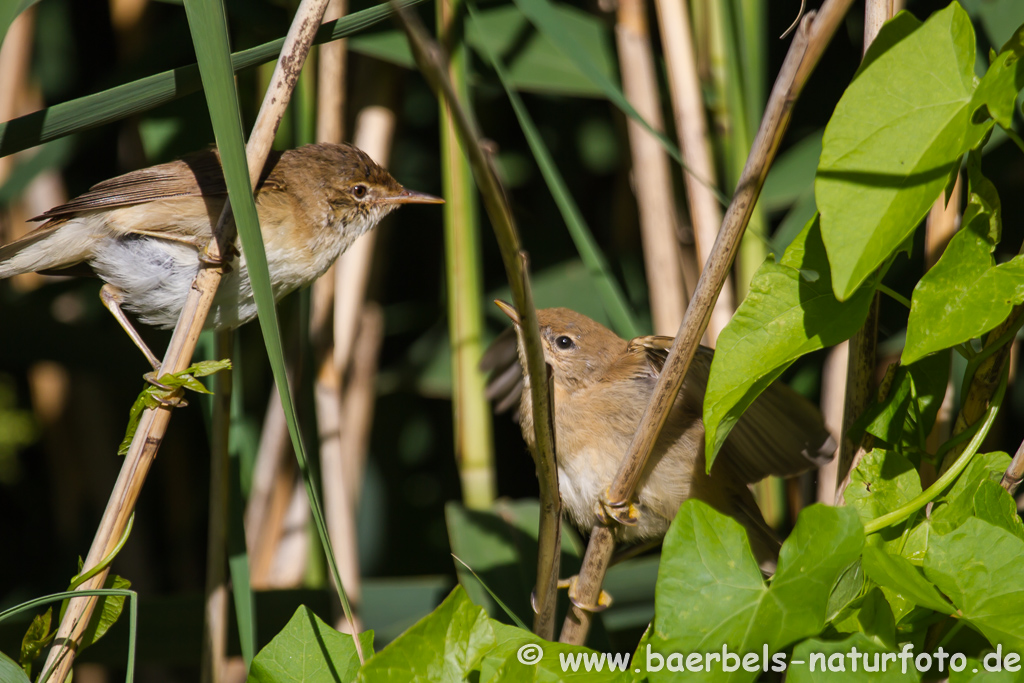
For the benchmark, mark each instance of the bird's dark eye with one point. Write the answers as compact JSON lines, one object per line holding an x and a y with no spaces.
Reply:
{"x":358,"y":191}
{"x":564,"y":343}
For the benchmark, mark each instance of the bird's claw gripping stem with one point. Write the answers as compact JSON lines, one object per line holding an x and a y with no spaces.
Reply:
{"x":604,"y":600}
{"x":626,"y":514}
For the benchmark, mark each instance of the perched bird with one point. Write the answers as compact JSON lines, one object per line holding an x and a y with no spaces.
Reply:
{"x":143,"y":233}
{"x":602,"y":385}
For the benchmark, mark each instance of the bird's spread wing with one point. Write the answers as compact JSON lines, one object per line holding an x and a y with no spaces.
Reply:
{"x":781,"y":433}
{"x":505,"y":375}
{"x":655,"y":350}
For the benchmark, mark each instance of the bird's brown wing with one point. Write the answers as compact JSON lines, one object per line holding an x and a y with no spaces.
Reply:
{"x":655,"y":349}
{"x":781,"y":433}
{"x":197,"y":174}
{"x":505,"y":375}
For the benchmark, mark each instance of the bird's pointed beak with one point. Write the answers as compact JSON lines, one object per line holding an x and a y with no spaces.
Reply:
{"x":414,"y":197}
{"x":509,"y":310}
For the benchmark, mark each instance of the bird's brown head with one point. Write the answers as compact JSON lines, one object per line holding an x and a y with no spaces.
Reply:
{"x":580,"y":350}
{"x":356,"y":190}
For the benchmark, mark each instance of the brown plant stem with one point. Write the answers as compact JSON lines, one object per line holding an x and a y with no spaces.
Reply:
{"x":985,"y":380}
{"x":808,"y":44}
{"x":1014,"y":473}
{"x":432,"y":64}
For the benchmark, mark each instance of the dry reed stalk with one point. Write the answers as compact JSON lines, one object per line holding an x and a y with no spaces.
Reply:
{"x":861,"y":358}
{"x":942,"y":223}
{"x":692,"y":129}
{"x":1015,"y":472}
{"x":809,"y":41}
{"x":652,"y":180}
{"x":21,"y":96}
{"x":331,"y":79}
{"x":154,"y":422}
{"x":358,"y":403}
{"x":272,"y":479}
{"x":349,"y":416}
{"x":374,"y":132}
{"x":291,"y":551}
{"x":833,"y":393}
{"x":433,"y":65}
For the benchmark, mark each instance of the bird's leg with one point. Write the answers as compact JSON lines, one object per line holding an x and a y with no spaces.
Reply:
{"x":112,"y":297}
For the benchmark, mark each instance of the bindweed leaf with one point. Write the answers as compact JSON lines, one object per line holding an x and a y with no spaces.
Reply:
{"x":882,"y":481}
{"x":789,"y":311}
{"x":895,"y":136}
{"x":965,"y":294}
{"x":310,"y":651}
{"x":446,"y":645}
{"x":957,"y":505}
{"x":978,"y":566}
{"x":711,"y":593}
{"x":1002,"y":82}
{"x":994,"y":505}
{"x":899,"y":575}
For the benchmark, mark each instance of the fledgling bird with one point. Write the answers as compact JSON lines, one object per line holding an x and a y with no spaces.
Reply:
{"x":143,"y":232}
{"x":602,"y":385}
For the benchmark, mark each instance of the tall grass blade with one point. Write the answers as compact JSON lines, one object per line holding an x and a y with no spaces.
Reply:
{"x":542,"y":14}
{"x":146,"y":93}
{"x":208,"y":24}
{"x":474,"y":444}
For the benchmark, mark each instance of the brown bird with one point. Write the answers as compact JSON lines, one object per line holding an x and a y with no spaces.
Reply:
{"x":143,"y":232}
{"x":602,"y":385}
